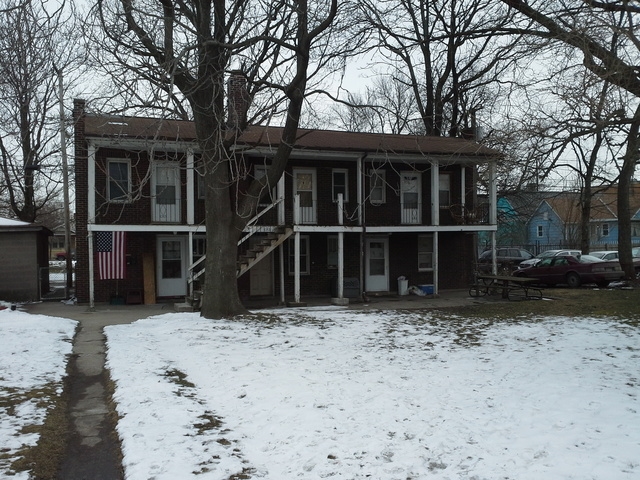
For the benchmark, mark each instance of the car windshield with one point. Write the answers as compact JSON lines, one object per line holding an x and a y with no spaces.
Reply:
{"x":548,"y":253}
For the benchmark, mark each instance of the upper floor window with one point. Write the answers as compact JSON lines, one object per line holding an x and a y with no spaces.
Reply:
{"x":378,"y":183}
{"x":605,"y":229}
{"x":119,"y":180}
{"x":444,"y":181}
{"x":267,"y":196}
{"x":339,"y":184}
{"x":540,"y":231}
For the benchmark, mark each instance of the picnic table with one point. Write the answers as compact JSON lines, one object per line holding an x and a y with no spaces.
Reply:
{"x":513,"y":288}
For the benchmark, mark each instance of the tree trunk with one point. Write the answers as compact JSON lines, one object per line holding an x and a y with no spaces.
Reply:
{"x":624,"y":208}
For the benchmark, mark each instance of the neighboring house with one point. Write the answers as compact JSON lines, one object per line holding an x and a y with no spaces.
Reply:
{"x":56,"y":243}
{"x":408,"y":209}
{"x":23,"y":256}
{"x":555,"y":223}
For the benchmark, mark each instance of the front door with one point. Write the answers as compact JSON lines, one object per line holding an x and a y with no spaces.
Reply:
{"x":377,"y":265}
{"x":304,"y":184}
{"x":261,"y":276}
{"x":411,"y":197}
{"x":171,"y":272}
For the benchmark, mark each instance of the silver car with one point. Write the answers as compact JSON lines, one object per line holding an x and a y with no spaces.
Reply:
{"x":546,"y":254}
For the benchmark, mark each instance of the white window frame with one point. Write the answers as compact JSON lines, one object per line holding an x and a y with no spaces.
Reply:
{"x":305,"y":259}
{"x":334,"y":194}
{"x":378,"y":181}
{"x":540,"y":231}
{"x":126,"y":198}
{"x":332,"y":251}
{"x":441,"y":177}
{"x":422,"y":253}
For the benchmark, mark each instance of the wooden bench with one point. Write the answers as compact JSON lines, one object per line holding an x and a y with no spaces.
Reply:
{"x":512,"y":288}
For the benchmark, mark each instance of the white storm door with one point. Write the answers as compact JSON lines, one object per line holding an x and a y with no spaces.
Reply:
{"x":411,"y":197}
{"x":304,"y":184}
{"x":377,"y":265}
{"x":171,"y":266}
{"x":165,"y":198}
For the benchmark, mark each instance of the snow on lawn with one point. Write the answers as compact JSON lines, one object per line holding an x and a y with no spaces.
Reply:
{"x":33,"y":360}
{"x":354,"y":395}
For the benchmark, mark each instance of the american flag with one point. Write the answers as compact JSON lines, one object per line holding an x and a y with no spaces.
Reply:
{"x":111,"y":249}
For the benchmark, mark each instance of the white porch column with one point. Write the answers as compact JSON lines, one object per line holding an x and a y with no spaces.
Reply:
{"x":435,"y":193}
{"x":281,"y":255}
{"x":436,"y":261}
{"x":91,"y":181}
{"x":493,"y":213}
{"x":91,"y":215}
{"x":340,"y":248}
{"x":191,"y":190}
{"x":360,"y":186}
{"x":280,"y":194}
{"x":296,"y":250}
{"x":91,"y":285}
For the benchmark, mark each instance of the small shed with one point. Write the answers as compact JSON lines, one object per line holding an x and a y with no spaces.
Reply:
{"x":24,"y":253}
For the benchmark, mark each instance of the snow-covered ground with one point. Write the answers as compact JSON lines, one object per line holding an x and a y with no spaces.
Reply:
{"x":352,"y":395}
{"x":33,"y":357}
{"x":342,"y":394}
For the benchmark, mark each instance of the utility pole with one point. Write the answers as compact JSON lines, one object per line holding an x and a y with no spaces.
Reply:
{"x":65,"y":183}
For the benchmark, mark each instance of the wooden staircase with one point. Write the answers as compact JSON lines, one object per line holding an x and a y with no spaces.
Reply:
{"x":260,"y":250}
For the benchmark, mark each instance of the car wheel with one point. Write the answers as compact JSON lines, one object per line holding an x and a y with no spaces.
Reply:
{"x":573,"y":280}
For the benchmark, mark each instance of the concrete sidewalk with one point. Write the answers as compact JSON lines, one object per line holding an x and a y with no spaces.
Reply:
{"x":94,"y":451}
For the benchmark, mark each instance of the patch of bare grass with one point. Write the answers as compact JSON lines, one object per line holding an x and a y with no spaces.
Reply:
{"x":580,"y":302}
{"x":42,"y":459}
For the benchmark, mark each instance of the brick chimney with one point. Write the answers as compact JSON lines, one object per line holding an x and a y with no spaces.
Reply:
{"x":238,"y":100}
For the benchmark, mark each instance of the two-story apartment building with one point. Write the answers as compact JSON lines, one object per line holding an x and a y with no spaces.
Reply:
{"x":364,"y":207}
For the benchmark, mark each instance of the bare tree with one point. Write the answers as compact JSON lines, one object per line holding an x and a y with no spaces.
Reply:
{"x":387,"y":106}
{"x":34,"y":39}
{"x":185,"y":50}
{"x":590,"y":28}
{"x":447,"y":52}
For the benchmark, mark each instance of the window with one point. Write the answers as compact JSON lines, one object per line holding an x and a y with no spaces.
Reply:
{"x":425,"y":253}
{"x":269,"y":195}
{"x":339,"y":184}
{"x":304,"y":255}
{"x":445,"y":189}
{"x":332,"y":251}
{"x":540,"y":231}
{"x":605,"y":229}
{"x":118,"y":179}
{"x":378,"y":186}
{"x":199,"y":244}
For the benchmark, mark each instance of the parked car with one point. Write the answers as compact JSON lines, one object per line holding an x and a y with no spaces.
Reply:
{"x":546,"y":254}
{"x":573,"y":271}
{"x":505,"y":257}
{"x":63,"y":256}
{"x":605,"y":254}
